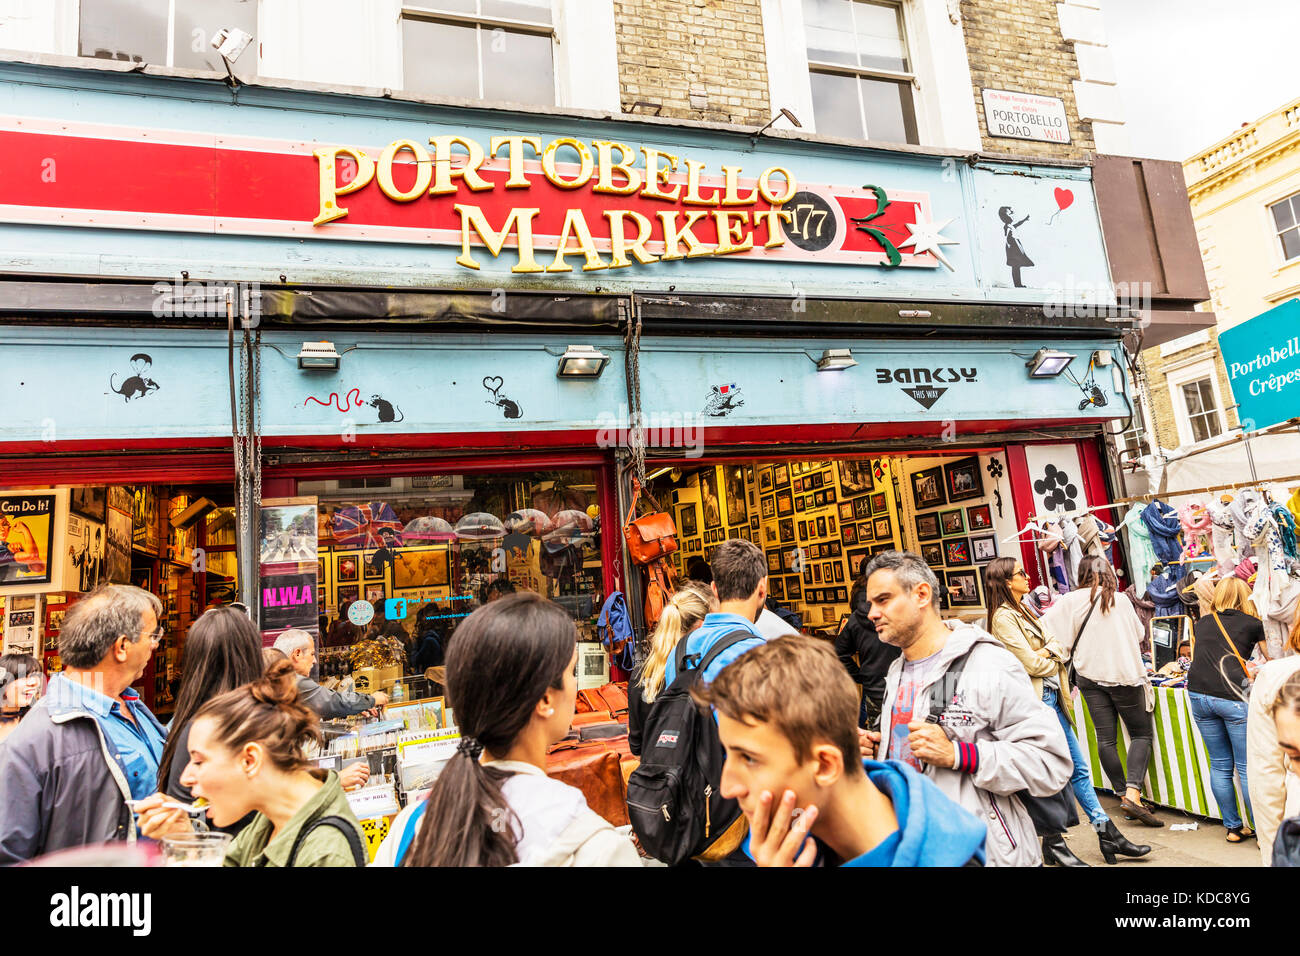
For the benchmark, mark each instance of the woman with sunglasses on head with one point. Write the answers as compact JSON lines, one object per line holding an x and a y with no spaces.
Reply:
{"x":1025,"y":636}
{"x":1101,"y":631}
{"x":512,"y":681}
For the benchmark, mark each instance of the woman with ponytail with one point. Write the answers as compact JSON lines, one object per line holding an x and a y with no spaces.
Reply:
{"x":512,"y":681}
{"x":684,"y":613}
{"x":245,"y":756}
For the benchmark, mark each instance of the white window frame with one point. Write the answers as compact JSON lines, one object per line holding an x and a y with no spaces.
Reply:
{"x":1185,"y":375}
{"x":242,"y":67}
{"x":941,"y":85}
{"x":1278,"y":251}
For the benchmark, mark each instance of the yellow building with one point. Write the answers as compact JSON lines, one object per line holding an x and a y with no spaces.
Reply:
{"x":1245,"y":198}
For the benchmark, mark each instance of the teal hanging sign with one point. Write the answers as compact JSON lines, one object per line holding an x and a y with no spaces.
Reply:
{"x":1262,"y":356}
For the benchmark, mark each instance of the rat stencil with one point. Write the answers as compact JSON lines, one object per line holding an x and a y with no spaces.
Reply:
{"x":511,"y":408}
{"x":386,"y":409}
{"x":138,"y":382}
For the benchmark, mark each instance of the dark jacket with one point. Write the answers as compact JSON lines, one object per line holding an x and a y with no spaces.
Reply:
{"x":60,"y":785}
{"x":858,"y":638}
{"x":330,"y":704}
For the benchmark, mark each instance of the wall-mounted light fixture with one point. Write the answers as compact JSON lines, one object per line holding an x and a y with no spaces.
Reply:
{"x":835,"y":360}
{"x":319,"y":356}
{"x":1048,"y":363}
{"x":582,"y":361}
{"x":794,"y":120}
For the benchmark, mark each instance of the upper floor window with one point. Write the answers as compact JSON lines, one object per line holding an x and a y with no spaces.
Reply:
{"x":480,"y":49}
{"x":1286,"y":217}
{"x":1202,"y":410}
{"x":175,"y":33}
{"x":860,"y":69}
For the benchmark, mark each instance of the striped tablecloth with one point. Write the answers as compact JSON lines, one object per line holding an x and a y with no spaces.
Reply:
{"x":1179,"y":773}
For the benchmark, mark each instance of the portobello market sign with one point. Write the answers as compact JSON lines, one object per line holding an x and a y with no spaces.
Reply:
{"x":590,"y":200}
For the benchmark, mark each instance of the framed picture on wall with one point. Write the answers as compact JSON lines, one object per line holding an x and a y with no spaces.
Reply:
{"x":773,"y":561}
{"x":768,"y":506}
{"x":784,"y":504}
{"x":984,"y":547}
{"x":790,"y":560}
{"x":749,"y":474}
{"x":807,"y":574}
{"x":371,"y":570}
{"x":878,"y":504}
{"x":956,"y":552}
{"x":963,"y":588}
{"x":846,"y":511}
{"x":951,"y":522}
{"x":347,"y":593}
{"x":831,"y":526}
{"x":348,"y":567}
{"x":781,"y":475}
{"x":821,"y":527}
{"x":927,"y":488}
{"x":834,"y":549}
{"x":422,"y":568}
{"x":932,"y":554}
{"x":769,"y":534}
{"x":786,"y":527}
{"x":793,"y":588}
{"x":927,"y":527}
{"x":733,"y":532}
{"x":814,"y":550}
{"x":753,"y":522}
{"x":803,"y":530}
{"x":817,"y":480}
{"x":776,"y":588}
{"x":866,"y":532}
{"x":798,"y":486}
{"x":689,"y":517}
{"x":800,"y":504}
{"x":854,"y":477}
{"x":737,"y":512}
{"x":375,"y":593}
{"x":765,"y":479}
{"x":979,"y":518}
{"x":837,"y":569}
{"x":881,"y":529}
{"x":963,"y":479}
{"x":819,"y":498}
{"x":862,"y":507}
{"x":817,"y":574}
{"x":710,"y":498}
{"x":858,"y":558}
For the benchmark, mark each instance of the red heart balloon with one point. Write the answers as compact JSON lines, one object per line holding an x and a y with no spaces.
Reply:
{"x":1064,"y":198}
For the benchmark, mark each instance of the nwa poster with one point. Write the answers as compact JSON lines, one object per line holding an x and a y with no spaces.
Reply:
{"x":26,"y":538}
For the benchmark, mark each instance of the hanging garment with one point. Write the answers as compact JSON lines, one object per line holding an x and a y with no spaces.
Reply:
{"x":1140,"y":553}
{"x":1278,"y":618}
{"x":1163,"y":593}
{"x":1089,"y":535}
{"x":1286,"y":526}
{"x":1245,"y":569}
{"x":1049,"y":542}
{"x":1221,"y":538}
{"x":1260,"y":529}
{"x":1293,"y":505}
{"x":1196,"y":522}
{"x":1162,"y":522}
{"x":1205,"y":586}
{"x":1187,"y":594}
{"x":1073,"y":550}
{"x":1242,"y":505}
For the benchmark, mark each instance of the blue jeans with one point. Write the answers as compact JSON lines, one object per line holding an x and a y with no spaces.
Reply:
{"x":1081,"y":779}
{"x":1222,"y":724}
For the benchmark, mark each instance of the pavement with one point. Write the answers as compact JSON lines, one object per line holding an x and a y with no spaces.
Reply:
{"x":1204,"y":846}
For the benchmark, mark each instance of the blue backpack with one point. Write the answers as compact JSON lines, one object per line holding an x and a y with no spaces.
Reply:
{"x":615,"y":629}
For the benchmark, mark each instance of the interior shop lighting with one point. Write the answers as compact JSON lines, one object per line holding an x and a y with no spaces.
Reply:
{"x":319,"y":356}
{"x":835,"y":360}
{"x":582,"y":361}
{"x":1048,"y":363}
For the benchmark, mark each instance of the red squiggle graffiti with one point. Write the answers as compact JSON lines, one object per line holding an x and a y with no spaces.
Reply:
{"x":348,"y":401}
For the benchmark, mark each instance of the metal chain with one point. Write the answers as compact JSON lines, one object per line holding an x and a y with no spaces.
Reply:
{"x":636,"y":430}
{"x":256,"y":451}
{"x":242,"y":442}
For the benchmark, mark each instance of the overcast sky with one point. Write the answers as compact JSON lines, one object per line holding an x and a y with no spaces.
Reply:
{"x":1192,"y":71}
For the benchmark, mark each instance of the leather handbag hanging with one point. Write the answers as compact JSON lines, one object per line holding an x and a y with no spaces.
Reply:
{"x":652,"y":536}
{"x":659,"y":589}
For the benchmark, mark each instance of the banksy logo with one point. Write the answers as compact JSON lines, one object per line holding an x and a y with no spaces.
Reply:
{"x":922,"y":381}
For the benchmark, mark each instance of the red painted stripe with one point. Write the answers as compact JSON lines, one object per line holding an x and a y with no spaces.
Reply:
{"x":1022,"y":505}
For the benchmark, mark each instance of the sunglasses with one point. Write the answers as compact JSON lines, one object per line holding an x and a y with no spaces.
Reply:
{"x":1020,"y":573}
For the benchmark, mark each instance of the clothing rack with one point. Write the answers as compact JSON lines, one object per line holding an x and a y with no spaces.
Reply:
{"x":1201,"y":491}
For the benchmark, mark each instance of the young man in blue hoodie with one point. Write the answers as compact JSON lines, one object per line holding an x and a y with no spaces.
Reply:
{"x":787,"y":715}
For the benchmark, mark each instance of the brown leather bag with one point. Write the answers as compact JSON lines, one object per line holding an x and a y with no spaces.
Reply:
{"x":659,"y":589}
{"x":651,"y":536}
{"x":595,"y":768}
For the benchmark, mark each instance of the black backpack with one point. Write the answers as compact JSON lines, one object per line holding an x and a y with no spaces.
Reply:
{"x":359,"y":855}
{"x":672,"y":797}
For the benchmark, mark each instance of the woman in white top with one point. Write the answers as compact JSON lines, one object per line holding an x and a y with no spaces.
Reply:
{"x":512,"y":680}
{"x":1103,"y":634}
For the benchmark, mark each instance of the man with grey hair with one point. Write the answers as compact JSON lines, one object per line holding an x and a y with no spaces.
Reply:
{"x":959,"y":707}
{"x":89,"y":745}
{"x":300,"y":648}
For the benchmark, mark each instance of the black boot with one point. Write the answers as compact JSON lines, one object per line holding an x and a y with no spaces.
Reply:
{"x":1056,"y":853}
{"x":1115,"y":843}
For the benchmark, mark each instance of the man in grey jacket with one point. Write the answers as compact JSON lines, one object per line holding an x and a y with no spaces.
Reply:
{"x":89,"y":745}
{"x":994,"y":738}
{"x":300,"y":648}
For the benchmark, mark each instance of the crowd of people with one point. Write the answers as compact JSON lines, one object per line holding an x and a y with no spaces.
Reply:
{"x":910,"y":740}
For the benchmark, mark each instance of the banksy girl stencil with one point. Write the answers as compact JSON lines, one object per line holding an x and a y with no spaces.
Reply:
{"x":1016,"y":256}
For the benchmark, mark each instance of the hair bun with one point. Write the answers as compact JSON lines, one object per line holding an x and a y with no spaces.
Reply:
{"x":278,"y":686}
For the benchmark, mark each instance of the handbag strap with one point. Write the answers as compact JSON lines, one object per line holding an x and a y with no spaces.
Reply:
{"x":637,"y":491}
{"x":1231,"y":646}
{"x":359,"y":854}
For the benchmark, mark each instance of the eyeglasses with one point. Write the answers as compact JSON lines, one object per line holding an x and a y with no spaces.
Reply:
{"x":156,"y":635}
{"x":1020,"y":573}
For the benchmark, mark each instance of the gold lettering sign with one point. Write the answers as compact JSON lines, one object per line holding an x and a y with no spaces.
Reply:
{"x":603,"y":167}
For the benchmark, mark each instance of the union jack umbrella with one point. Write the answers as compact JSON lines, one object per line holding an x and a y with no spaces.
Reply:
{"x":363,"y":526}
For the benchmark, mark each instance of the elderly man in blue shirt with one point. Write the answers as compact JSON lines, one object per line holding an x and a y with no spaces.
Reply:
{"x":89,"y":745}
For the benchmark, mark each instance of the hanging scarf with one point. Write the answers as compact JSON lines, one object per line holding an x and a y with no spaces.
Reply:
{"x":1245,"y":569}
{"x":1196,"y":522}
{"x":1221,"y":538}
{"x":1205,"y":586}
{"x":1286,"y":529}
{"x":1261,"y":531}
{"x":1164,"y":530}
{"x":1140,"y":553}
{"x":1293,"y":505}
{"x":1163,"y":592}
{"x":1073,"y":551}
{"x":1242,"y":506}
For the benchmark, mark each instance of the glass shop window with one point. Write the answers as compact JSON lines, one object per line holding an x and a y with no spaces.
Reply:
{"x":175,"y":33}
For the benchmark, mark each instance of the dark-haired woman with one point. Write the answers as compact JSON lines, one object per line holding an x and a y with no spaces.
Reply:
{"x":21,"y":681}
{"x":1102,"y":632}
{"x":245,"y":750}
{"x":1025,"y":636}
{"x":511,"y":679}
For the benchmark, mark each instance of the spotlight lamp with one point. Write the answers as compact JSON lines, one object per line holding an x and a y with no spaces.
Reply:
{"x":319,"y":356}
{"x":582,"y":361}
{"x":1048,"y":363}
{"x":835,"y":360}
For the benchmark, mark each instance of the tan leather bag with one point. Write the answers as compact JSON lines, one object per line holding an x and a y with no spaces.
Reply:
{"x":652,"y":536}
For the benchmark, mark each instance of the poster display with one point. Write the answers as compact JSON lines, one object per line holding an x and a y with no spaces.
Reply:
{"x":289,"y":566}
{"x":27,"y":537}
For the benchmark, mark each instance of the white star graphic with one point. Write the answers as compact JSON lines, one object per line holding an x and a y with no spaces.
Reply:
{"x":926,"y":237}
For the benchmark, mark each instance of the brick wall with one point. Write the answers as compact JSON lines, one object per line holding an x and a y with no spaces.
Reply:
{"x":1017,"y":45}
{"x":669,"y":48}
{"x":1162,"y":408}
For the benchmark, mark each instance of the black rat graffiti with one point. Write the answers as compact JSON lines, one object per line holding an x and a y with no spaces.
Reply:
{"x":141,"y":365}
{"x":723,"y":400}
{"x":512,"y":409}
{"x":386,"y":411}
